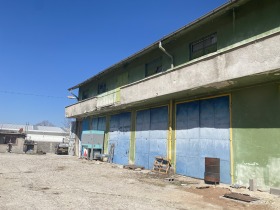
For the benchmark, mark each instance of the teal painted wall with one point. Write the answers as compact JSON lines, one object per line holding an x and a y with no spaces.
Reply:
{"x":110,"y":80}
{"x":255,"y":18}
{"x":232,"y":27}
{"x":91,"y":88}
{"x":256,"y":135}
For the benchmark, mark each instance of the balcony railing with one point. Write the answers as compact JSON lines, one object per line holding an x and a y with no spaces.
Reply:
{"x":109,"y":98}
{"x":214,"y":72}
{"x":83,"y":108}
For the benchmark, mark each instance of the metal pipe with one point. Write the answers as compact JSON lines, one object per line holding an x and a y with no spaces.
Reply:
{"x":233,"y":20}
{"x":170,"y":56}
{"x":73,"y":95}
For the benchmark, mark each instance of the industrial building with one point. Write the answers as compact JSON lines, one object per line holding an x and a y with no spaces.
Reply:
{"x":209,"y":89}
{"x":45,"y":137}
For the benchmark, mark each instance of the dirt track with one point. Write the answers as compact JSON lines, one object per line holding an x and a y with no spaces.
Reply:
{"x":65,"y":182}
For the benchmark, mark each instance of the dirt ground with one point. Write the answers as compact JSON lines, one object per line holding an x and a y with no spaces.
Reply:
{"x":65,"y":182}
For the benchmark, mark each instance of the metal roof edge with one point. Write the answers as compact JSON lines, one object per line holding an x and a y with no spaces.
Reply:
{"x":163,"y":39}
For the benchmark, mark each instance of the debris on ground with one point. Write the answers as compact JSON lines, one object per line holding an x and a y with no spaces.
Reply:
{"x":169,"y":179}
{"x":134,"y":167}
{"x":240,"y":197}
{"x":44,"y":182}
{"x":117,"y":166}
{"x":237,"y":186}
{"x":41,"y":152}
{"x":202,"y":187}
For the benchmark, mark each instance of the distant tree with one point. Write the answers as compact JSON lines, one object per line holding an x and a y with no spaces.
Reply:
{"x":66,"y":123}
{"x":45,"y":123}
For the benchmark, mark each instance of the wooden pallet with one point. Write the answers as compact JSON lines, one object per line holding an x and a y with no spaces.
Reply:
{"x":161,"y":165}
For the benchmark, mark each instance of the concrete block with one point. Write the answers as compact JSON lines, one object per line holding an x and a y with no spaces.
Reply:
{"x":275,"y":191}
{"x":253,"y":184}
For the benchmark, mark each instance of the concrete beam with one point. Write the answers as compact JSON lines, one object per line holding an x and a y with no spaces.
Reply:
{"x":215,"y":71}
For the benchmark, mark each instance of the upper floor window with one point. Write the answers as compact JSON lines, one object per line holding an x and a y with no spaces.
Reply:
{"x":153,"y":67}
{"x":101,"y":88}
{"x":203,"y":46}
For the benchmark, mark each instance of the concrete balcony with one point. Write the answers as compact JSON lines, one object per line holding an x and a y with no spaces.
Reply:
{"x":254,"y":62}
{"x":108,"y":99}
{"x":94,"y":104}
{"x":81,"y":108}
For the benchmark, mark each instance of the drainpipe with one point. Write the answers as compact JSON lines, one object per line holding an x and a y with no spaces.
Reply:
{"x":233,"y":20}
{"x":170,"y":56}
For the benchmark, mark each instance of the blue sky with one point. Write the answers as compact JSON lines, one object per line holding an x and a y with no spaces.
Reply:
{"x":47,"y":46}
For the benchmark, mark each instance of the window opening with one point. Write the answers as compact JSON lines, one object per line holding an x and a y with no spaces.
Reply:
{"x":101,"y":88}
{"x":85,"y":94}
{"x":153,"y":67}
{"x":203,"y":46}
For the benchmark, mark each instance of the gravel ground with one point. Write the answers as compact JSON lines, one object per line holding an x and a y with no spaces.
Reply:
{"x":65,"y":182}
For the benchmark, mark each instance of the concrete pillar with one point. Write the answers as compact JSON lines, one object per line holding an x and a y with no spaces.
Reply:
{"x":106,"y":138}
{"x":132,"y":138}
{"x":35,"y":148}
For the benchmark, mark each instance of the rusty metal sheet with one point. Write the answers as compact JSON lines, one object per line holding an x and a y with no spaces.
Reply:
{"x":240,"y":197}
{"x":212,"y":170}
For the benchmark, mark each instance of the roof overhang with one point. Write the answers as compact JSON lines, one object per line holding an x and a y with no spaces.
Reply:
{"x":166,"y":39}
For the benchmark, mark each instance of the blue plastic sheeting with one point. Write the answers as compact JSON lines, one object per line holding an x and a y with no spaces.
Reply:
{"x":99,"y":123}
{"x":151,"y":135}
{"x":202,"y":130}
{"x":119,"y":135}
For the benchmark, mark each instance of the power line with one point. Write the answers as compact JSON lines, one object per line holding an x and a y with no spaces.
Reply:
{"x":30,"y":94}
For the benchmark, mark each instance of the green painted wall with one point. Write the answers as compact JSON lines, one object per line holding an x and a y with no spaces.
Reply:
{"x":233,"y":26}
{"x":256,"y":135}
{"x":136,"y":73}
{"x":91,"y":88}
{"x":256,"y":18}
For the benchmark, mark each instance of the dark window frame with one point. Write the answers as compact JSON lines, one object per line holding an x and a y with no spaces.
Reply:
{"x":101,"y":88}
{"x":154,"y":67}
{"x":6,"y":139}
{"x":203,"y":46}
{"x":85,"y":94}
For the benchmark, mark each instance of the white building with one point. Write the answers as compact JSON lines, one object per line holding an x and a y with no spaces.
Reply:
{"x":46,"y":137}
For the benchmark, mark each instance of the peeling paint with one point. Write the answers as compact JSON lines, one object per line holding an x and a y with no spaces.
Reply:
{"x":251,"y":164}
{"x":219,"y":85}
